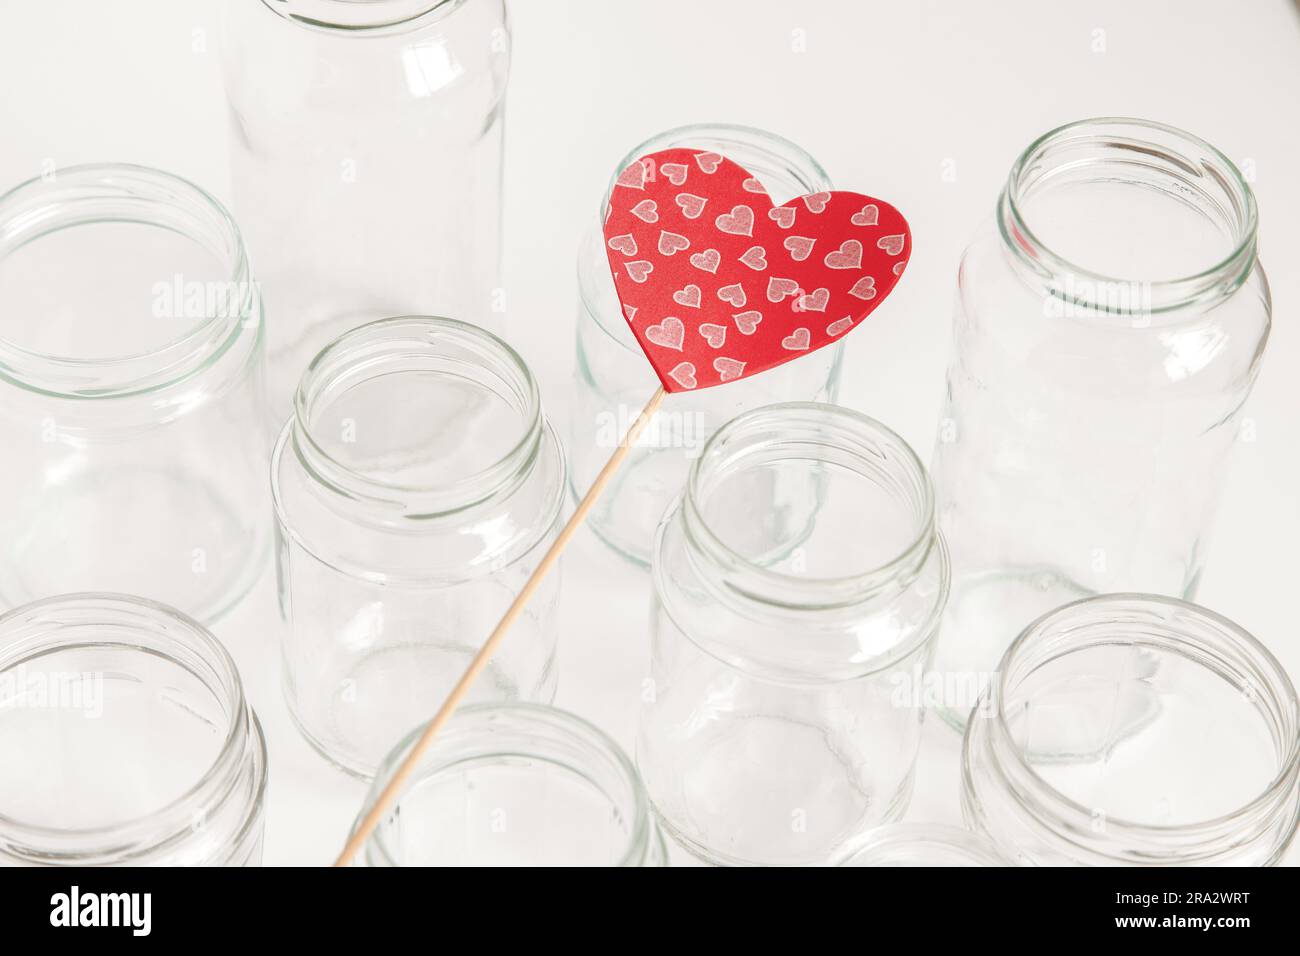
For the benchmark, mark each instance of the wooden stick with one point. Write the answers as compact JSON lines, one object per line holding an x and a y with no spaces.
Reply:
{"x":476,"y":667}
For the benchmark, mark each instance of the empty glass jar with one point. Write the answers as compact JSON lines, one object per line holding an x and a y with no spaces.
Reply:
{"x":1110,"y":324}
{"x":515,"y":785}
{"x":416,"y":487}
{"x":1134,"y":730}
{"x":131,"y":401}
{"x":126,"y":739}
{"x":614,"y":380}
{"x":798,"y":583}
{"x":366,"y":151}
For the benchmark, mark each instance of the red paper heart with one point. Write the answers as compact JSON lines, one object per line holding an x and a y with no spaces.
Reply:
{"x":718,"y":284}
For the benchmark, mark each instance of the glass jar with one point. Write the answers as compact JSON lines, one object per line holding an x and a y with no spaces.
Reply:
{"x":416,"y":487}
{"x":1135,"y":730}
{"x":925,"y":844}
{"x":366,"y":152}
{"x":515,"y":785}
{"x":798,"y":583}
{"x":614,"y":380}
{"x":131,"y":393}
{"x":126,"y":739}
{"x":1110,"y":324}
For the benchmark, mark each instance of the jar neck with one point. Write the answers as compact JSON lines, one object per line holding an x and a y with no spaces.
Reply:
{"x":1175,"y":166}
{"x":539,"y":736}
{"x":73,"y":621}
{"x":1162,"y":625}
{"x":120,"y":193}
{"x":408,"y":349}
{"x":825,"y":439}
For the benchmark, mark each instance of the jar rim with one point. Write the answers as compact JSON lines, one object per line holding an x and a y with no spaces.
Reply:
{"x":362,"y":17}
{"x":1144,"y":137}
{"x":139,"y":834}
{"x":838,"y":591}
{"x":474,"y":721}
{"x":1257,"y":655}
{"x":26,"y":208}
{"x":954,"y":840}
{"x":801,"y":164}
{"x":392,"y":336}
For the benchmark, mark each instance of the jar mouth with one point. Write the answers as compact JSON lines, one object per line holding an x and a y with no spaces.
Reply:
{"x":1181,"y":168}
{"x":417,"y":347}
{"x":823,"y":437}
{"x":365,"y":16}
{"x":507,"y":733}
{"x":137,"y":195}
{"x":784,"y":168}
{"x":153,"y":630}
{"x":924,"y":844}
{"x":1206,"y":639}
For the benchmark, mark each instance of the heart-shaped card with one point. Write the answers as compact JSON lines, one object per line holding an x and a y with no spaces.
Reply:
{"x":718,"y":284}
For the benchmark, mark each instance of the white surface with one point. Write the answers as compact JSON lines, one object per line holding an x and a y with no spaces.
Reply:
{"x":924,"y":103}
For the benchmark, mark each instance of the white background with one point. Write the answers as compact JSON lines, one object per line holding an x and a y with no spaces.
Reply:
{"x":887,"y":96}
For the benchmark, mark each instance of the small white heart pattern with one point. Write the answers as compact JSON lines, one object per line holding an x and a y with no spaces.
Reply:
{"x":708,"y":264}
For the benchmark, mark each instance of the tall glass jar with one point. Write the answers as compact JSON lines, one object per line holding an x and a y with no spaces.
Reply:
{"x":366,"y":151}
{"x":126,"y":739}
{"x":515,"y":785}
{"x":1135,"y":730}
{"x":1110,"y":324}
{"x":416,"y":487}
{"x":614,"y":381}
{"x":131,"y":393}
{"x":798,"y":583}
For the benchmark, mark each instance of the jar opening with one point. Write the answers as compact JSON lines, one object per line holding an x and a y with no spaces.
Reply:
{"x":1158,"y":717}
{"x":431,"y":409}
{"x":514,"y":784}
{"x":124,"y":721}
{"x":924,"y":844}
{"x":1128,"y":217}
{"x":362,"y":15}
{"x":117,"y":279}
{"x":810,"y":504}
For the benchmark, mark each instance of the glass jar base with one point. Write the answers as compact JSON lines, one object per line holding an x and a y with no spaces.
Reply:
{"x":385,"y":694}
{"x":203,"y":562}
{"x":711,"y":856}
{"x":985,"y":613}
{"x":787,"y":812}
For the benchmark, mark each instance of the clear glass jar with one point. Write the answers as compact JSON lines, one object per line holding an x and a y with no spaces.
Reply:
{"x":515,"y":785}
{"x":1109,"y":327}
{"x":798,"y":583}
{"x":416,"y":487}
{"x":925,"y":844}
{"x":1135,"y":730}
{"x":126,"y":739}
{"x":614,"y":380}
{"x":366,"y":153}
{"x":131,"y":393}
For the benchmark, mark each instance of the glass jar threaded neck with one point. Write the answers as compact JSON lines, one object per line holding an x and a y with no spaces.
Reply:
{"x":560,"y":758}
{"x":404,"y":475}
{"x":1088,"y":248}
{"x":1183,"y":648}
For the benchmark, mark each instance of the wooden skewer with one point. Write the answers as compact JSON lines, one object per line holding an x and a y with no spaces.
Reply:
{"x":476,"y":667}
